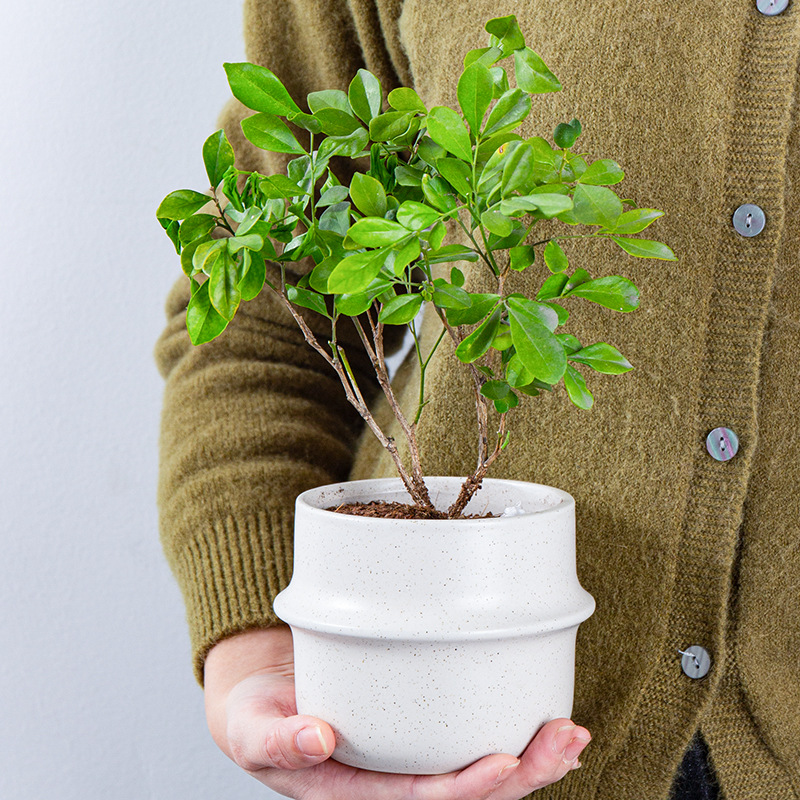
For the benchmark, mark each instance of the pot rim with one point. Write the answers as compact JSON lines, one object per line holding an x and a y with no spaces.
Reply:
{"x":312,"y":503}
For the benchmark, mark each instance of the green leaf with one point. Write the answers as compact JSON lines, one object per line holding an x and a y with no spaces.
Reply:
{"x":447,"y":129}
{"x":502,"y":341}
{"x":408,"y":176}
{"x":437,"y":192}
{"x":543,"y":312}
{"x":181,"y":204}
{"x":452,"y":252}
{"x":480,"y":306}
{"x":561,"y":312}
{"x":203,"y":321}
{"x":603,"y":358}
{"x":279,"y":186}
{"x":636,"y":220}
{"x":548,"y":203}
{"x":307,"y":299}
{"x":569,"y":342}
{"x":429,"y":152}
{"x":596,"y":205}
{"x":555,"y":257}
{"x":534,"y":342}
{"x":353,"y":305}
{"x":552,"y":287}
{"x":508,"y":113}
{"x":365,"y":95}
{"x":404,"y":256}
{"x":401,"y":309}
{"x":486,"y":55}
{"x":517,"y":374}
{"x":259,"y":89}
{"x":613,"y":291}
{"x":521,"y":258}
{"x":645,"y":248}
{"x":602,"y":173}
{"x":350,"y":146}
{"x":457,"y":277}
{"x":196,"y":227}
{"x":223,"y":284}
{"x":506,"y":29}
{"x":576,"y":388}
{"x":335,"y":122}
{"x":376,"y":232}
{"x":532,"y":73}
{"x":506,"y":403}
{"x":446,"y":295}
{"x":390,"y":125}
{"x":336,"y":194}
{"x":497,"y":223}
{"x":250,"y":219}
{"x":495,"y":390}
{"x":416,"y":216}
{"x":353,"y":274}
{"x":436,"y":236}
{"x":270,"y":133}
{"x":306,"y":121}
{"x":329,"y":98}
{"x":518,"y":168}
{"x":255,"y":274}
{"x":475,"y":88}
{"x":406,"y":99}
{"x":566,"y":133}
{"x":457,"y":174}
{"x":251,"y":241}
{"x":368,"y":195}
{"x":201,"y":258}
{"x":480,"y":340}
{"x":336,"y":218}
{"x":217,"y":157}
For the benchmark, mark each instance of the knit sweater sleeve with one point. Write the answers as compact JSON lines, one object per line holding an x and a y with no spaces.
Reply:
{"x":255,"y":417}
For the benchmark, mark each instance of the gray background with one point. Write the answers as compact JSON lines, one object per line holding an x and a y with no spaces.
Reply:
{"x":105,"y":109}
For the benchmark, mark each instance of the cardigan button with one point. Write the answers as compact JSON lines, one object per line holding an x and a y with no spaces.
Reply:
{"x":749,"y":220}
{"x":696,"y":661}
{"x":722,"y":444}
{"x":771,"y":7}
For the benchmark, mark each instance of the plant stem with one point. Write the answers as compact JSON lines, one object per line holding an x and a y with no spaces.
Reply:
{"x":377,"y":358}
{"x":355,"y":398}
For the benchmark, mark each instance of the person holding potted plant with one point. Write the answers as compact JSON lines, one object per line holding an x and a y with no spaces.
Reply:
{"x":250,"y":420}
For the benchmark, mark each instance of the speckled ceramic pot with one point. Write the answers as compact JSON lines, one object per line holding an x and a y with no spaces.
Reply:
{"x":429,"y":644}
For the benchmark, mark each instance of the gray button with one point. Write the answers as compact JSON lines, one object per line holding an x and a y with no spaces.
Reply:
{"x":722,"y":444}
{"x":696,"y":661}
{"x":771,"y":7}
{"x":748,"y":220}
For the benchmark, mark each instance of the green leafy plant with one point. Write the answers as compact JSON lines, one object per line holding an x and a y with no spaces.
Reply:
{"x":375,"y":243}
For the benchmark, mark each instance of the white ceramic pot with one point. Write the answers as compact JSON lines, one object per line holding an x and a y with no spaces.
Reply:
{"x":429,"y":644}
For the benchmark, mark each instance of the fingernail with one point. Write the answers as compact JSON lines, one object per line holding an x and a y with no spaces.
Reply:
{"x":506,"y":772}
{"x":575,"y":748}
{"x":576,"y":765}
{"x":563,"y":738}
{"x":310,"y":741}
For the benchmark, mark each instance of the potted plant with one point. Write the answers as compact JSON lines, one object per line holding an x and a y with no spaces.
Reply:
{"x":444,"y":618}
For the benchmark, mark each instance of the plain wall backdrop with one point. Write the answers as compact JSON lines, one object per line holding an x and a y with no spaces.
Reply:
{"x":105,"y":110}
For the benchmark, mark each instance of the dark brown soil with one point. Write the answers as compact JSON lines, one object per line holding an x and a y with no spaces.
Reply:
{"x":380,"y":508}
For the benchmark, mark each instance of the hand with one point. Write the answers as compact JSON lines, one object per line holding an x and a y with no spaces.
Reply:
{"x":251,"y":712}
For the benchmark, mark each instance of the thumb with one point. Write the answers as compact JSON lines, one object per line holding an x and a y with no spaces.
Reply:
{"x":261,"y":735}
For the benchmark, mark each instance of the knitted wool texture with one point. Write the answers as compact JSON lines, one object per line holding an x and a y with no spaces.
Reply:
{"x":697,"y":102}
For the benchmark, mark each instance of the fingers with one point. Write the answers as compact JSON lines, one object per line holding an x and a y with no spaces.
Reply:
{"x":263,"y":730}
{"x":477,"y":782}
{"x":552,"y":754}
{"x":292,"y":743}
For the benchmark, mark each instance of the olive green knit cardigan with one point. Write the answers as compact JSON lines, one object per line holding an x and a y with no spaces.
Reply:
{"x":698,"y":103}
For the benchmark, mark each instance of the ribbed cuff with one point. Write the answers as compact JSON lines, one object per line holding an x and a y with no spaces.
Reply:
{"x":230,"y":573}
